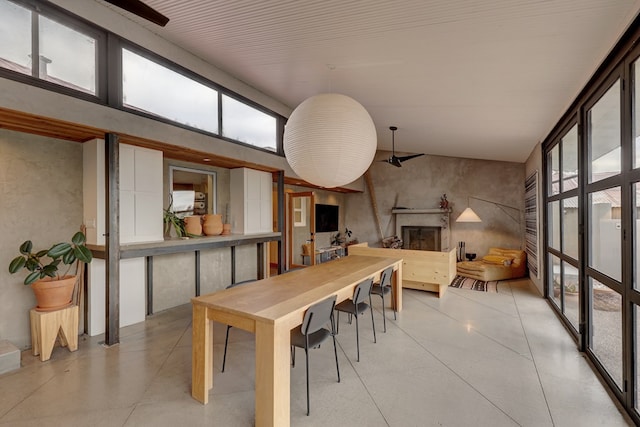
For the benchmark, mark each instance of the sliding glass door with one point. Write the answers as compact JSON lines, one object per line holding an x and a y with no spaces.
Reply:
{"x":592,"y":218}
{"x":604,"y":210}
{"x":591,"y":176}
{"x":562,"y":227}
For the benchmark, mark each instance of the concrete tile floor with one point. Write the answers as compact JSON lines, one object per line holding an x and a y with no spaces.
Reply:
{"x":468,"y":359}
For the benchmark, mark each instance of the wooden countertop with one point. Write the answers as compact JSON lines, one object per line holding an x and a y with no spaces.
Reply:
{"x":177,"y":245}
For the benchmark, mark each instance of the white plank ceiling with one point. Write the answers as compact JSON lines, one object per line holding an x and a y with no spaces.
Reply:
{"x":483,"y":79}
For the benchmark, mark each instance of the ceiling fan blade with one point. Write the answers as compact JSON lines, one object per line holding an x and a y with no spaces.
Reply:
{"x":405,"y":158}
{"x":142,"y":10}
{"x":393,"y":160}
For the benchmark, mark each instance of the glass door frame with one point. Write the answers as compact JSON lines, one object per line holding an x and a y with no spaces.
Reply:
{"x":590,"y":271}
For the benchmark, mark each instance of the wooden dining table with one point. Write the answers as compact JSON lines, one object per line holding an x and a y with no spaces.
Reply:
{"x":270,"y":308}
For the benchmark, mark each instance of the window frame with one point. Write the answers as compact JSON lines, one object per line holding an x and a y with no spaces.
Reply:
{"x":75,"y":23}
{"x":109,"y":73}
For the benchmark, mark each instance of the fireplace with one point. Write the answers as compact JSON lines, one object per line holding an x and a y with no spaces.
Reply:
{"x":421,"y":238}
{"x":433,"y":225}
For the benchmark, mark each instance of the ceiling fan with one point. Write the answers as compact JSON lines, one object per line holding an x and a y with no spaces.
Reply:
{"x":142,"y":10}
{"x":397,"y":160}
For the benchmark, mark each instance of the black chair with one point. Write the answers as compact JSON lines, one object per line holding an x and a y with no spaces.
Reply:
{"x":226,"y":339}
{"x":312,"y":333}
{"x":382,"y":288}
{"x":357,"y":306}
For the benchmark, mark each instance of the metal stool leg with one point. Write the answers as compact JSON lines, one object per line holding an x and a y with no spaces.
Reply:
{"x":373,"y":323}
{"x":358,"y":338}
{"x":384,"y":316}
{"x":306,"y":355}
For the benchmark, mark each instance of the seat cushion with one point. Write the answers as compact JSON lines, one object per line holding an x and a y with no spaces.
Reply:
{"x":347,"y":306}
{"x":380,"y":290}
{"x":315,"y":339}
{"x":498,"y":264}
{"x":497,"y":259}
{"x":480,"y":270}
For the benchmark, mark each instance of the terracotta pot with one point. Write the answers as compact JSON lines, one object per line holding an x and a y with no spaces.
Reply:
{"x":212,"y":225}
{"x":226,"y":229}
{"x":193,"y":225}
{"x":53,"y":294}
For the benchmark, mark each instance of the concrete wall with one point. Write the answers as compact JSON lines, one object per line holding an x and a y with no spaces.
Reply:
{"x":174,"y":275}
{"x":40,"y":200}
{"x":420,"y":183}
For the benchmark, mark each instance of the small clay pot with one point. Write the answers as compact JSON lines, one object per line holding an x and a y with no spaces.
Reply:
{"x":53,"y":294}
{"x":212,"y":224}
{"x":226,"y":229}
{"x":193,"y":225}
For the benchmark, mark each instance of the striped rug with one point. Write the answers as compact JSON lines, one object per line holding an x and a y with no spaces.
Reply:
{"x":473,"y":284}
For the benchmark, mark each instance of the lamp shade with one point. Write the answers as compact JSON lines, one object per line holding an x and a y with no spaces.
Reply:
{"x":468,"y":215}
{"x":330,"y":140}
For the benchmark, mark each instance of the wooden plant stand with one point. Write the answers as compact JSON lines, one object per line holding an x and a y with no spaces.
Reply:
{"x":46,"y":326}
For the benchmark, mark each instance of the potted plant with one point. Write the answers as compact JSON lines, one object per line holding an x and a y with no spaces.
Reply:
{"x":336,"y":239}
{"x":53,"y":289}
{"x":339,"y":240}
{"x":350,"y":241}
{"x":170,"y":218}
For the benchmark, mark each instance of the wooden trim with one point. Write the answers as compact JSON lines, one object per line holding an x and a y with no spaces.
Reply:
{"x":54,"y":128}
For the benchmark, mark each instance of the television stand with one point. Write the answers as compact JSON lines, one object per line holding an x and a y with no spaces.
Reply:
{"x":326,"y":254}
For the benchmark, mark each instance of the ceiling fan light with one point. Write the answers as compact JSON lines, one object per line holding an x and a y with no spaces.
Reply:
{"x":468,"y":215}
{"x":330,"y":140}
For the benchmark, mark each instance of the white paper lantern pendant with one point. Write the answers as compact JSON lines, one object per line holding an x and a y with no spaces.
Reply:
{"x":330,"y":140}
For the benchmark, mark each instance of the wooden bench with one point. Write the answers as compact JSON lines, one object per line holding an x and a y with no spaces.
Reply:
{"x":423,"y":270}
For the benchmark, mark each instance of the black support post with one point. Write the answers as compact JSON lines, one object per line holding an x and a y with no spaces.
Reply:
{"x":233,"y":264}
{"x":112,"y":241}
{"x":260,"y":256}
{"x":149,"y":285}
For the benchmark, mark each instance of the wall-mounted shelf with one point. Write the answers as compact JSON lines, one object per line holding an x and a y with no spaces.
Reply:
{"x":421,"y":211}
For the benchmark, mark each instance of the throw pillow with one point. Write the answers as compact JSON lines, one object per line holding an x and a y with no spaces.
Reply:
{"x":497,"y":259}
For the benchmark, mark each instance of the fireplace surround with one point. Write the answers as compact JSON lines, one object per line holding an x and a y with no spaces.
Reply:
{"x":421,"y":238}
{"x":424,"y":219}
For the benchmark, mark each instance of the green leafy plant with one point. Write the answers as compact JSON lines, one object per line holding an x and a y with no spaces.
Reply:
{"x":348,"y":232}
{"x":173,"y":220}
{"x":170,"y":219}
{"x":338,"y":239}
{"x":46,"y":263}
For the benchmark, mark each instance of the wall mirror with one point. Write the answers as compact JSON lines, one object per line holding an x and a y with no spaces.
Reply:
{"x":193,"y":191}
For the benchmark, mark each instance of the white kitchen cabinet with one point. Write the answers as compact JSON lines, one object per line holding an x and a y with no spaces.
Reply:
{"x":140,"y":193}
{"x":251,"y":208}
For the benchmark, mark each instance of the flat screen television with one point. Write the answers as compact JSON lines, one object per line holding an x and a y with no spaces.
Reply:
{"x":326,"y":218}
